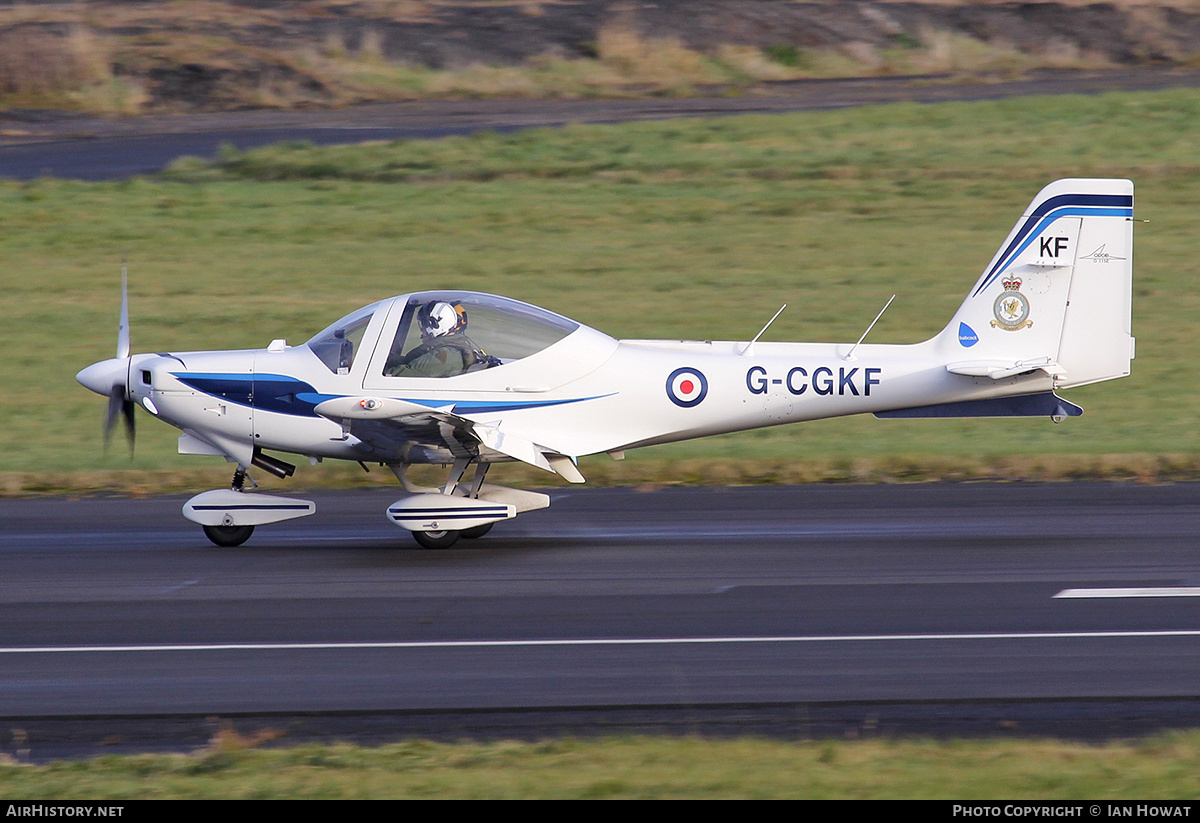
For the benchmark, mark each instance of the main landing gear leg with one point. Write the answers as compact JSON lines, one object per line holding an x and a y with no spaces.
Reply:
{"x":445,"y":538}
{"x":481,"y":470}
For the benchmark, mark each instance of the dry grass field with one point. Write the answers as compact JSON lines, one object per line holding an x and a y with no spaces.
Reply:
{"x":126,"y":58}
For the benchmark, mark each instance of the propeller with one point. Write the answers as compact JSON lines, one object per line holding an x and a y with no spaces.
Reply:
{"x":120,"y":404}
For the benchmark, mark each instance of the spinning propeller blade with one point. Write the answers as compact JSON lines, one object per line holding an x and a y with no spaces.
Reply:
{"x":119,"y":405}
{"x":119,"y":402}
{"x":123,"y":327}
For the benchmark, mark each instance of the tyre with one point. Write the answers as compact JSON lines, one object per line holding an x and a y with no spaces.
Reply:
{"x":441,"y":539}
{"x":228,"y":536}
{"x":478,"y":531}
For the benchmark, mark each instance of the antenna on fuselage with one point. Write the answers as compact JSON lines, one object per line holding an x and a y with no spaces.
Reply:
{"x":750,"y":345}
{"x":850,"y":354}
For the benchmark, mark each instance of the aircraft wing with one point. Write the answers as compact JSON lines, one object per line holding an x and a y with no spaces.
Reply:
{"x":420,"y":433}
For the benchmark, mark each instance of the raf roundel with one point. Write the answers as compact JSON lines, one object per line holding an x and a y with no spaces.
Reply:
{"x":686,"y":387}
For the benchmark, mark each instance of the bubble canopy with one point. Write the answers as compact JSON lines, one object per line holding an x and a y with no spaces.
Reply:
{"x":502,"y":330}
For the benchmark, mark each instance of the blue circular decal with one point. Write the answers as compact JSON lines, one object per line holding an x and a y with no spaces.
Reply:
{"x":686,"y":387}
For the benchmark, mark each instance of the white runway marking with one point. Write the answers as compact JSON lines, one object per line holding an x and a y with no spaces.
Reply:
{"x":654,"y":641}
{"x":1161,"y":591}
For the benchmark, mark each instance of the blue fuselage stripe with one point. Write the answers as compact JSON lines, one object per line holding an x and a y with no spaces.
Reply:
{"x":288,"y":395}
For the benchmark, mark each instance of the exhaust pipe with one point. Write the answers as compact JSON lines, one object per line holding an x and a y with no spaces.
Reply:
{"x":271,"y":464}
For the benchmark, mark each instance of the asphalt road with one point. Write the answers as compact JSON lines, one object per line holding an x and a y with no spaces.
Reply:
{"x":37,"y":144}
{"x":932,"y":609}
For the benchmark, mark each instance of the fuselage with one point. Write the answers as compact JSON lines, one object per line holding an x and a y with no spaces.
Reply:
{"x":584,"y":393}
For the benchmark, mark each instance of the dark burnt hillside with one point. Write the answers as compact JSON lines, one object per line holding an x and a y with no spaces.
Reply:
{"x":218,"y":54}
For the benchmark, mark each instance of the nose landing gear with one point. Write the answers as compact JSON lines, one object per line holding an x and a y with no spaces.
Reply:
{"x":228,"y":516}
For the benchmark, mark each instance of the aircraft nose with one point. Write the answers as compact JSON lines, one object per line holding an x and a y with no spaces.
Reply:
{"x":101,"y":377}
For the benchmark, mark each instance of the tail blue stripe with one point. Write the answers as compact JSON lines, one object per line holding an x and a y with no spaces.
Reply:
{"x":1067,"y":205}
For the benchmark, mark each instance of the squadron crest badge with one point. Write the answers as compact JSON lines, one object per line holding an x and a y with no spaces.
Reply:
{"x":1011,"y":308}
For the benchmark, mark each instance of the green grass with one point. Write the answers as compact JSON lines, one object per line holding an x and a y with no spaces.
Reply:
{"x":636,"y":767}
{"x":689,"y":228}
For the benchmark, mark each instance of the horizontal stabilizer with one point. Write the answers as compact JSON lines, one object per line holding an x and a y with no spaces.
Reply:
{"x":1000,"y":369}
{"x":1030,"y":405}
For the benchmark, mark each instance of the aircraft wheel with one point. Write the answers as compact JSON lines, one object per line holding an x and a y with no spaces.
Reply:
{"x":441,"y":539}
{"x":478,"y":531}
{"x":228,"y":536}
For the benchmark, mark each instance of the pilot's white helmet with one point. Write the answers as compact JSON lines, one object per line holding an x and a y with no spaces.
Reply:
{"x":440,"y":318}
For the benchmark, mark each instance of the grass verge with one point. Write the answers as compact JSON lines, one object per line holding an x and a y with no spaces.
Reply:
{"x":636,"y":767}
{"x":696,"y":228}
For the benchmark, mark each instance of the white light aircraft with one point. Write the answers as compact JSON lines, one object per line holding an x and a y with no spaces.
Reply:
{"x":466,"y":379}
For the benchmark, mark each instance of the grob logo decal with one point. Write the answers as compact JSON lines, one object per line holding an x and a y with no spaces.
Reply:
{"x":686,"y":387}
{"x":1101,"y":256}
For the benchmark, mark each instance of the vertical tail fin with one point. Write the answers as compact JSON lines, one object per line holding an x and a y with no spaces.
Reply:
{"x":1058,"y":293}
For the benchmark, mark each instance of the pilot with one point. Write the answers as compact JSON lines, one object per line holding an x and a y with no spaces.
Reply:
{"x":445,"y":350}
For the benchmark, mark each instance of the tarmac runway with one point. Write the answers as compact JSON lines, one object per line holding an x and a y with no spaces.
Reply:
{"x":37,"y":144}
{"x":917,"y":609}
